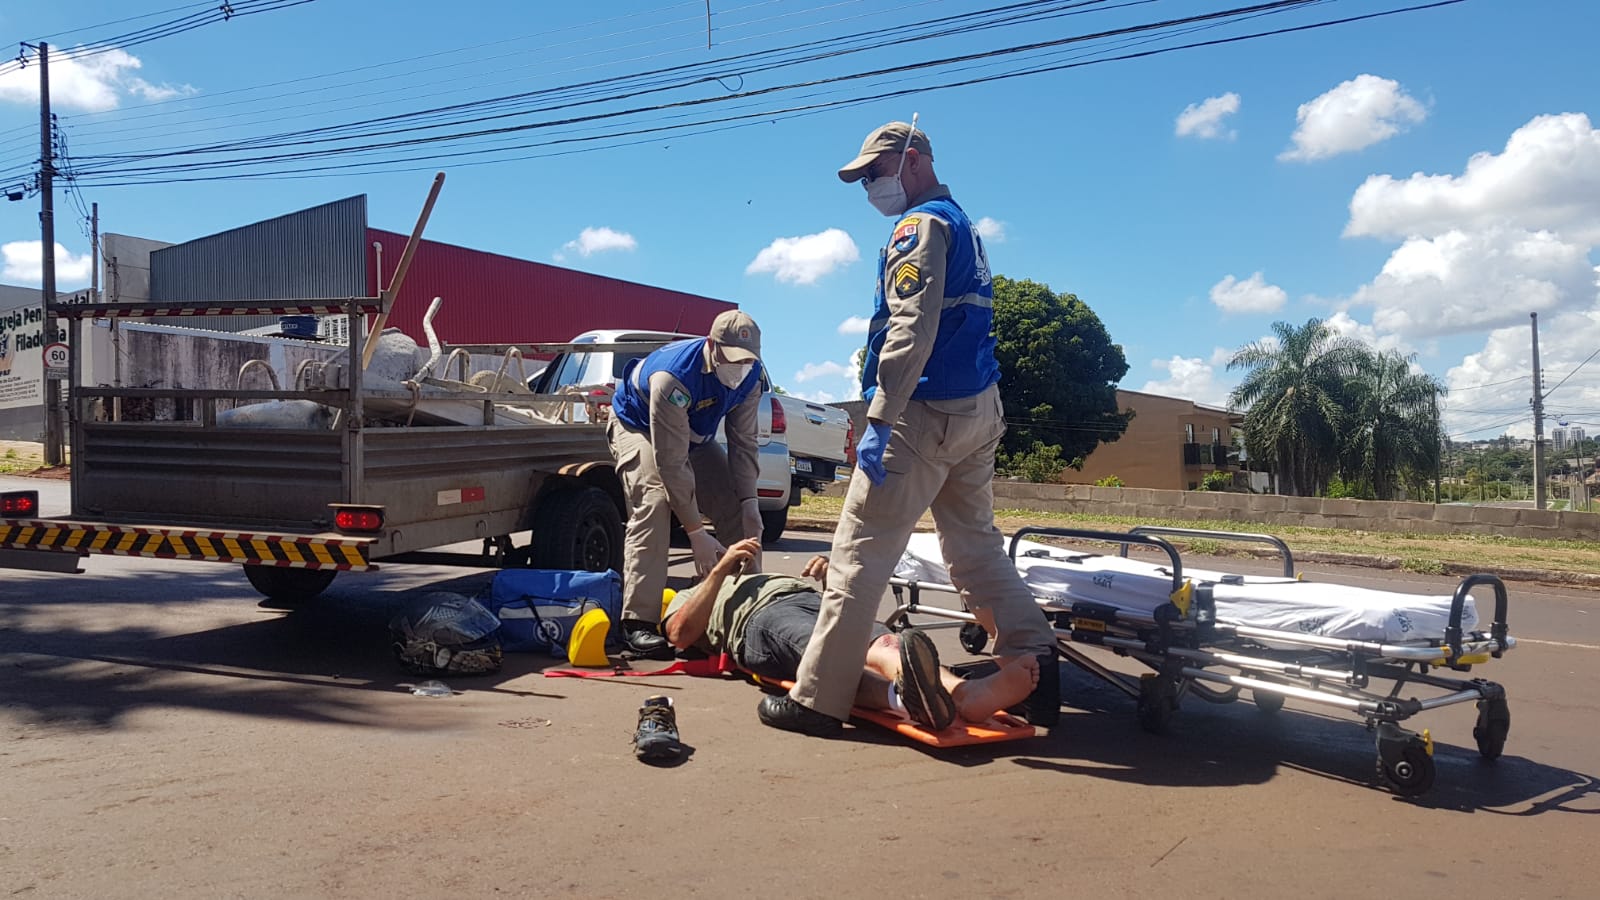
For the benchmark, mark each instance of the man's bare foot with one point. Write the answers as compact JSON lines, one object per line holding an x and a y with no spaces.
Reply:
{"x":980,"y":698}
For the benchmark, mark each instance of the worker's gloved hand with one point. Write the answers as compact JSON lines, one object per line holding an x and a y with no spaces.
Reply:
{"x":869,"y":452}
{"x":750,"y":512}
{"x":707,"y":550}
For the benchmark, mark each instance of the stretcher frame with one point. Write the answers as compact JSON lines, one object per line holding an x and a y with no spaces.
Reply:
{"x":1190,"y":652}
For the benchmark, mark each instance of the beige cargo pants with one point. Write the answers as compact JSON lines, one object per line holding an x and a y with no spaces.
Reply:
{"x":644,"y":562}
{"x":940,"y":456}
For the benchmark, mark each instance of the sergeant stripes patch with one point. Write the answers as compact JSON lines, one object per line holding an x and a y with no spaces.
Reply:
{"x":209,"y":546}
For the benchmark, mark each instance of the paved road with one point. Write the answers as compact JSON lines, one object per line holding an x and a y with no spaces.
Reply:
{"x":162,"y":734}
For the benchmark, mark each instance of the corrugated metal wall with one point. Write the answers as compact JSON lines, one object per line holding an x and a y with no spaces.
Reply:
{"x":313,"y":253}
{"x":491,"y":299}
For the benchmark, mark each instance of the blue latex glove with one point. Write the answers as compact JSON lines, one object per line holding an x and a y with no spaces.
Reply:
{"x":869,"y":452}
{"x":867,"y":394}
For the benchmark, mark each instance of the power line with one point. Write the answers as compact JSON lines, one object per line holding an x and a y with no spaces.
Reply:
{"x":120,"y":166}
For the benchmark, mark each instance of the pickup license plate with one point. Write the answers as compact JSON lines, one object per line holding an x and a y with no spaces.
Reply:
{"x":802,"y":465}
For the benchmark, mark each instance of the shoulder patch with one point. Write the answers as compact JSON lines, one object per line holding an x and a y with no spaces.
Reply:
{"x":907,"y":279}
{"x":678,"y":397}
{"x":905,"y":234}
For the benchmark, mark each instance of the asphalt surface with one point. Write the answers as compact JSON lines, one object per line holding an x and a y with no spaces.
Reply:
{"x":162,"y":734}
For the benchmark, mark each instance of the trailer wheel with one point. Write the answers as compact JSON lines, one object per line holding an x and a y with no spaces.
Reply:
{"x":1494,"y":723}
{"x":578,"y":529}
{"x":1267,"y":701}
{"x":773,"y":522}
{"x":287,"y":585}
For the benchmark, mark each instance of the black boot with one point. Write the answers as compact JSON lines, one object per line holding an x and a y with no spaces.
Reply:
{"x":1043,"y":706}
{"x":641,"y":640}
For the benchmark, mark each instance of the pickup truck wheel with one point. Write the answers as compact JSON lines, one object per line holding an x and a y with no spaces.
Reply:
{"x":578,"y":529}
{"x":289,"y":586}
{"x":773,"y":522}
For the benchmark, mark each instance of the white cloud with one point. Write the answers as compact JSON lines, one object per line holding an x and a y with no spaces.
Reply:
{"x":24,"y":264}
{"x":815,"y":396}
{"x":91,"y":84}
{"x":1252,"y":295}
{"x":812,"y":371}
{"x":1190,"y":378}
{"x":597,"y":240}
{"x":992,"y":230}
{"x":1464,"y":281}
{"x":1356,"y":114}
{"x":804,"y":259}
{"x":1204,"y":119}
{"x":1548,"y":177}
{"x":855,"y":325}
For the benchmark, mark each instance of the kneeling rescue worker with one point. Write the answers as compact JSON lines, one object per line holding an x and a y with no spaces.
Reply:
{"x":662,"y":433}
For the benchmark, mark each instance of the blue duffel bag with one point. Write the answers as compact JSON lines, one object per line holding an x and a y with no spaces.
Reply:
{"x":538,"y":607}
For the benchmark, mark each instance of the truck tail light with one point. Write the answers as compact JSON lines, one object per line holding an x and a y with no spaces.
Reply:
{"x":780,"y":421}
{"x":358,"y":519}
{"x":19,"y":503}
{"x":769,"y":492}
{"x":850,"y":442}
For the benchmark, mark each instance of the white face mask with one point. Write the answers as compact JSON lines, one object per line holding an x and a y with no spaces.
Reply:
{"x":886,"y":194}
{"x":733,"y":374}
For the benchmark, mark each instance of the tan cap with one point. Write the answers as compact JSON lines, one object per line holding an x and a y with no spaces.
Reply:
{"x":890,"y":138}
{"x":736,"y":333}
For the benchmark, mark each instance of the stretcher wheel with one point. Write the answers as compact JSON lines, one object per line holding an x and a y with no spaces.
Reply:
{"x":973,"y":637}
{"x":1412,"y":772}
{"x":1158,"y":700}
{"x":1267,"y":701}
{"x":1494,"y":723}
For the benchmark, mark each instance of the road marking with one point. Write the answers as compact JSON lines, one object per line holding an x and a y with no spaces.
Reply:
{"x":1523,"y":640}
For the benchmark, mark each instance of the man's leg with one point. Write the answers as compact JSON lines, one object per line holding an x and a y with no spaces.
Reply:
{"x":713,"y":491}
{"x":976,"y":699}
{"x":775,"y":639}
{"x":974,"y":551}
{"x":644,"y":564}
{"x":873,"y":529}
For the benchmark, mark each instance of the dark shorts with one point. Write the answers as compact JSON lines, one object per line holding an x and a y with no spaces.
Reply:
{"x":776,"y":636}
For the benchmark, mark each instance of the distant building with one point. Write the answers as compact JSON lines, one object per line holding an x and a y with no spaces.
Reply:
{"x":1558,"y":439}
{"x":1170,"y":444}
{"x":1576,"y":435}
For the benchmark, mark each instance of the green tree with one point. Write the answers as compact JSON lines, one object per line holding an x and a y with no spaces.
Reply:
{"x":1294,"y":397}
{"x":1058,"y":371}
{"x":1391,"y":426}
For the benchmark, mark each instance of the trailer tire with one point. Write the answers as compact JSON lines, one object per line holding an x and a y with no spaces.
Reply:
{"x":579,"y":529}
{"x":289,"y":586}
{"x":773,"y":522}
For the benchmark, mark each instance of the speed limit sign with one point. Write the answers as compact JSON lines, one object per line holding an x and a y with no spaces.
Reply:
{"x":56,"y":358}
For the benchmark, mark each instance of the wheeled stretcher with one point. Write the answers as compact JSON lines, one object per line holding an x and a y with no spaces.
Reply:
{"x":1377,"y":654}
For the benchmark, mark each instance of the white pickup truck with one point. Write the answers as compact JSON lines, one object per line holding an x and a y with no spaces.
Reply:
{"x":821,"y":439}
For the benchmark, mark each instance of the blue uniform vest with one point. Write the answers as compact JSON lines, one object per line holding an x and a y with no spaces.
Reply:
{"x":962,"y":363}
{"x":708,"y":400}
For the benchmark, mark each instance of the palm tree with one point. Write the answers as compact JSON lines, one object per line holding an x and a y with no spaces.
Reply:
{"x":1392,"y":425}
{"x":1294,"y":397}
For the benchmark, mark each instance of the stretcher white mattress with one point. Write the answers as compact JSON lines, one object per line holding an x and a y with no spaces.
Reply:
{"x":1056,"y":575}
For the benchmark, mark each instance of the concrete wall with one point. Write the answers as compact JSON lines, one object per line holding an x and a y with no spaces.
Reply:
{"x":1262,"y":511}
{"x":127,"y":267}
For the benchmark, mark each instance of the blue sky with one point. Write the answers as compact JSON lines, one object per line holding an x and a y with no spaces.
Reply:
{"x":1423,"y":180}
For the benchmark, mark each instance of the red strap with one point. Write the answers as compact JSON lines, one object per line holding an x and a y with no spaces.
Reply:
{"x":721,"y":664}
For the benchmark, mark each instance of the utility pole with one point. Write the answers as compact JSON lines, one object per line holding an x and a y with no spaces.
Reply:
{"x":53,"y":455}
{"x":1538,"y":420}
{"x":1438,"y":446}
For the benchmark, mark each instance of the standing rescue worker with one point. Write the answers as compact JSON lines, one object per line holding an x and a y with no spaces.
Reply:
{"x":662,"y":432}
{"x":934,"y":421}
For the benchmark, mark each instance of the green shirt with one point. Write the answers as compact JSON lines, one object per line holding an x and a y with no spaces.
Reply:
{"x":739,"y":598}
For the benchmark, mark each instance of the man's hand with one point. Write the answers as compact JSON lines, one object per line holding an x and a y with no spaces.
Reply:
{"x":743,"y":558}
{"x":816,"y":569}
{"x":869,"y":453}
{"x":707,"y":549}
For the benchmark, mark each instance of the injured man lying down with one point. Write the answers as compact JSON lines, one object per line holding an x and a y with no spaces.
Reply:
{"x":764,"y":622}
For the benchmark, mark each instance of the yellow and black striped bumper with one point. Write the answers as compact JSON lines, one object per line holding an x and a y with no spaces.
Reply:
{"x":82,"y":538}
